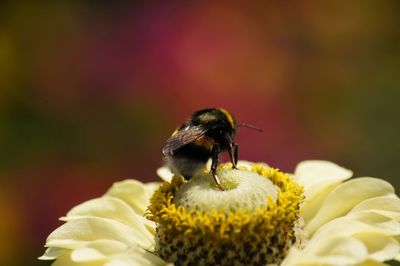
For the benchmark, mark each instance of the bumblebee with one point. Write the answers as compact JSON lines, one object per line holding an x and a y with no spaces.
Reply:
{"x":205,"y":135}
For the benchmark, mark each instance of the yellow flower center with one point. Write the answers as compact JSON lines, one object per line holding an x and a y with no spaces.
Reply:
{"x":252,"y":222}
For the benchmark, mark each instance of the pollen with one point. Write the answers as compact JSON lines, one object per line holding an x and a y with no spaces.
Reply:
{"x":254,"y":221}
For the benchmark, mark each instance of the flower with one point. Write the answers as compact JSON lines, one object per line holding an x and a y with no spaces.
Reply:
{"x":333,"y":222}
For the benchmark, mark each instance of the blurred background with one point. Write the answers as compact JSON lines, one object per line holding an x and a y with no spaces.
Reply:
{"x":90,"y":90}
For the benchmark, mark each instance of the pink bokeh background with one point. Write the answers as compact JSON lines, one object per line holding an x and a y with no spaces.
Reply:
{"x":90,"y":91}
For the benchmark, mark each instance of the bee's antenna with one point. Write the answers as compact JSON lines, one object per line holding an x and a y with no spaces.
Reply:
{"x":250,"y":126}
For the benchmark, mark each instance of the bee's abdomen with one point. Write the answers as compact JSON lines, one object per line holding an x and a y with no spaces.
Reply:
{"x":189,"y":159}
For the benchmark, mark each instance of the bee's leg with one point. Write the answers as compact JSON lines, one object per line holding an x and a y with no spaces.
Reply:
{"x":233,"y":154}
{"x":214,"y":164}
{"x":236,"y":154}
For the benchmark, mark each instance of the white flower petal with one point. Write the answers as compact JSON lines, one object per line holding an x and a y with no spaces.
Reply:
{"x":52,"y":253}
{"x":151,"y":187}
{"x":136,"y":257}
{"x":108,"y":207}
{"x":318,"y":179}
{"x":86,"y":254}
{"x":98,"y":250}
{"x":65,"y":244}
{"x":79,"y":231}
{"x":107,"y":252}
{"x":360,"y":222}
{"x":314,"y":175}
{"x":388,"y":205}
{"x":345,"y":196}
{"x":165,"y":173}
{"x":336,"y":251}
{"x":380,"y":247}
{"x":376,"y":219}
{"x":376,"y":232}
{"x":65,"y":260}
{"x":134,"y":193}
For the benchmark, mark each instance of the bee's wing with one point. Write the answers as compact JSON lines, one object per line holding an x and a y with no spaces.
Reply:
{"x":182,"y":137}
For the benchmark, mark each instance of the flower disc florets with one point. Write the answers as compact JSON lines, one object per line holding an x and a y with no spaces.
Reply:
{"x":203,"y":233}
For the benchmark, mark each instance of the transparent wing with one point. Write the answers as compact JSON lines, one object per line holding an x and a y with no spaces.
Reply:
{"x":182,"y":137}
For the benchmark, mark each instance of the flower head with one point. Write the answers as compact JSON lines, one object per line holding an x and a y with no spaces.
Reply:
{"x":252,"y":222}
{"x":264,"y":216}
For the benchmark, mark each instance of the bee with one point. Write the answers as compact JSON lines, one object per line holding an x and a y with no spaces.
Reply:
{"x":205,"y":135}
